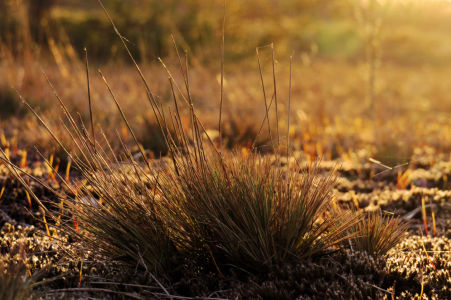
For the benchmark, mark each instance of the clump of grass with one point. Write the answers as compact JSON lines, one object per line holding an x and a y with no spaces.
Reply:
{"x":117,"y":214}
{"x":15,"y":282}
{"x":242,"y":209}
{"x":378,"y":233}
{"x":238,"y":209}
{"x":230,"y":208}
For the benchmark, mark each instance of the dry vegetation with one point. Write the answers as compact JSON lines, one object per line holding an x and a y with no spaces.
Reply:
{"x":327,"y":177}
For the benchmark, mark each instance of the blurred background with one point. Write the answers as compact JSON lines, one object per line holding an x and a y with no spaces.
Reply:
{"x":369,"y":77}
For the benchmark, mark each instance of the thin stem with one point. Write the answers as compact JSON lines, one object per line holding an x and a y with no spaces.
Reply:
{"x":222,"y":78}
{"x":128,"y":125}
{"x":264,"y":94}
{"x":261,"y":125}
{"x":275,"y":94}
{"x":288,"y":125}
{"x":90,"y":104}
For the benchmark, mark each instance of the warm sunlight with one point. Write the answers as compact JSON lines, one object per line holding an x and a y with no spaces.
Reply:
{"x":230,"y":149}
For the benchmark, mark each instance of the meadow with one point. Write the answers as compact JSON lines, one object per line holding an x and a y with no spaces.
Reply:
{"x":237,"y":150}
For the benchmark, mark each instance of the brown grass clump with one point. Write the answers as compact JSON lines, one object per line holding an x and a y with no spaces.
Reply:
{"x":239,"y":208}
{"x":15,"y":282}
{"x":378,"y":233}
{"x":243,"y":209}
{"x":232,"y":209}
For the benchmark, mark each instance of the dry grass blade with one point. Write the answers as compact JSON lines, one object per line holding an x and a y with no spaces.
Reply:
{"x":264,"y":94}
{"x":222,"y":78}
{"x":261,"y":126}
{"x":14,"y":171}
{"x":41,"y":121}
{"x":126,"y":122}
{"x":89,"y":99}
{"x":149,"y":93}
{"x":288,"y":122}
{"x":131,"y":295}
{"x":275,"y":94}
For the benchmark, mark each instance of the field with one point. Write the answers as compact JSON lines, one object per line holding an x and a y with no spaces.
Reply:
{"x":237,"y":150}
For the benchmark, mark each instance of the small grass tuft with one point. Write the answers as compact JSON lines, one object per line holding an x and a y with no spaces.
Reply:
{"x":15,"y":282}
{"x":378,"y":233}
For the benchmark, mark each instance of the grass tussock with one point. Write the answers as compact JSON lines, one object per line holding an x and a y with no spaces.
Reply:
{"x":235,"y":209}
{"x":378,"y":233}
{"x":15,"y":282}
{"x":250,"y":212}
{"x":118,"y":216}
